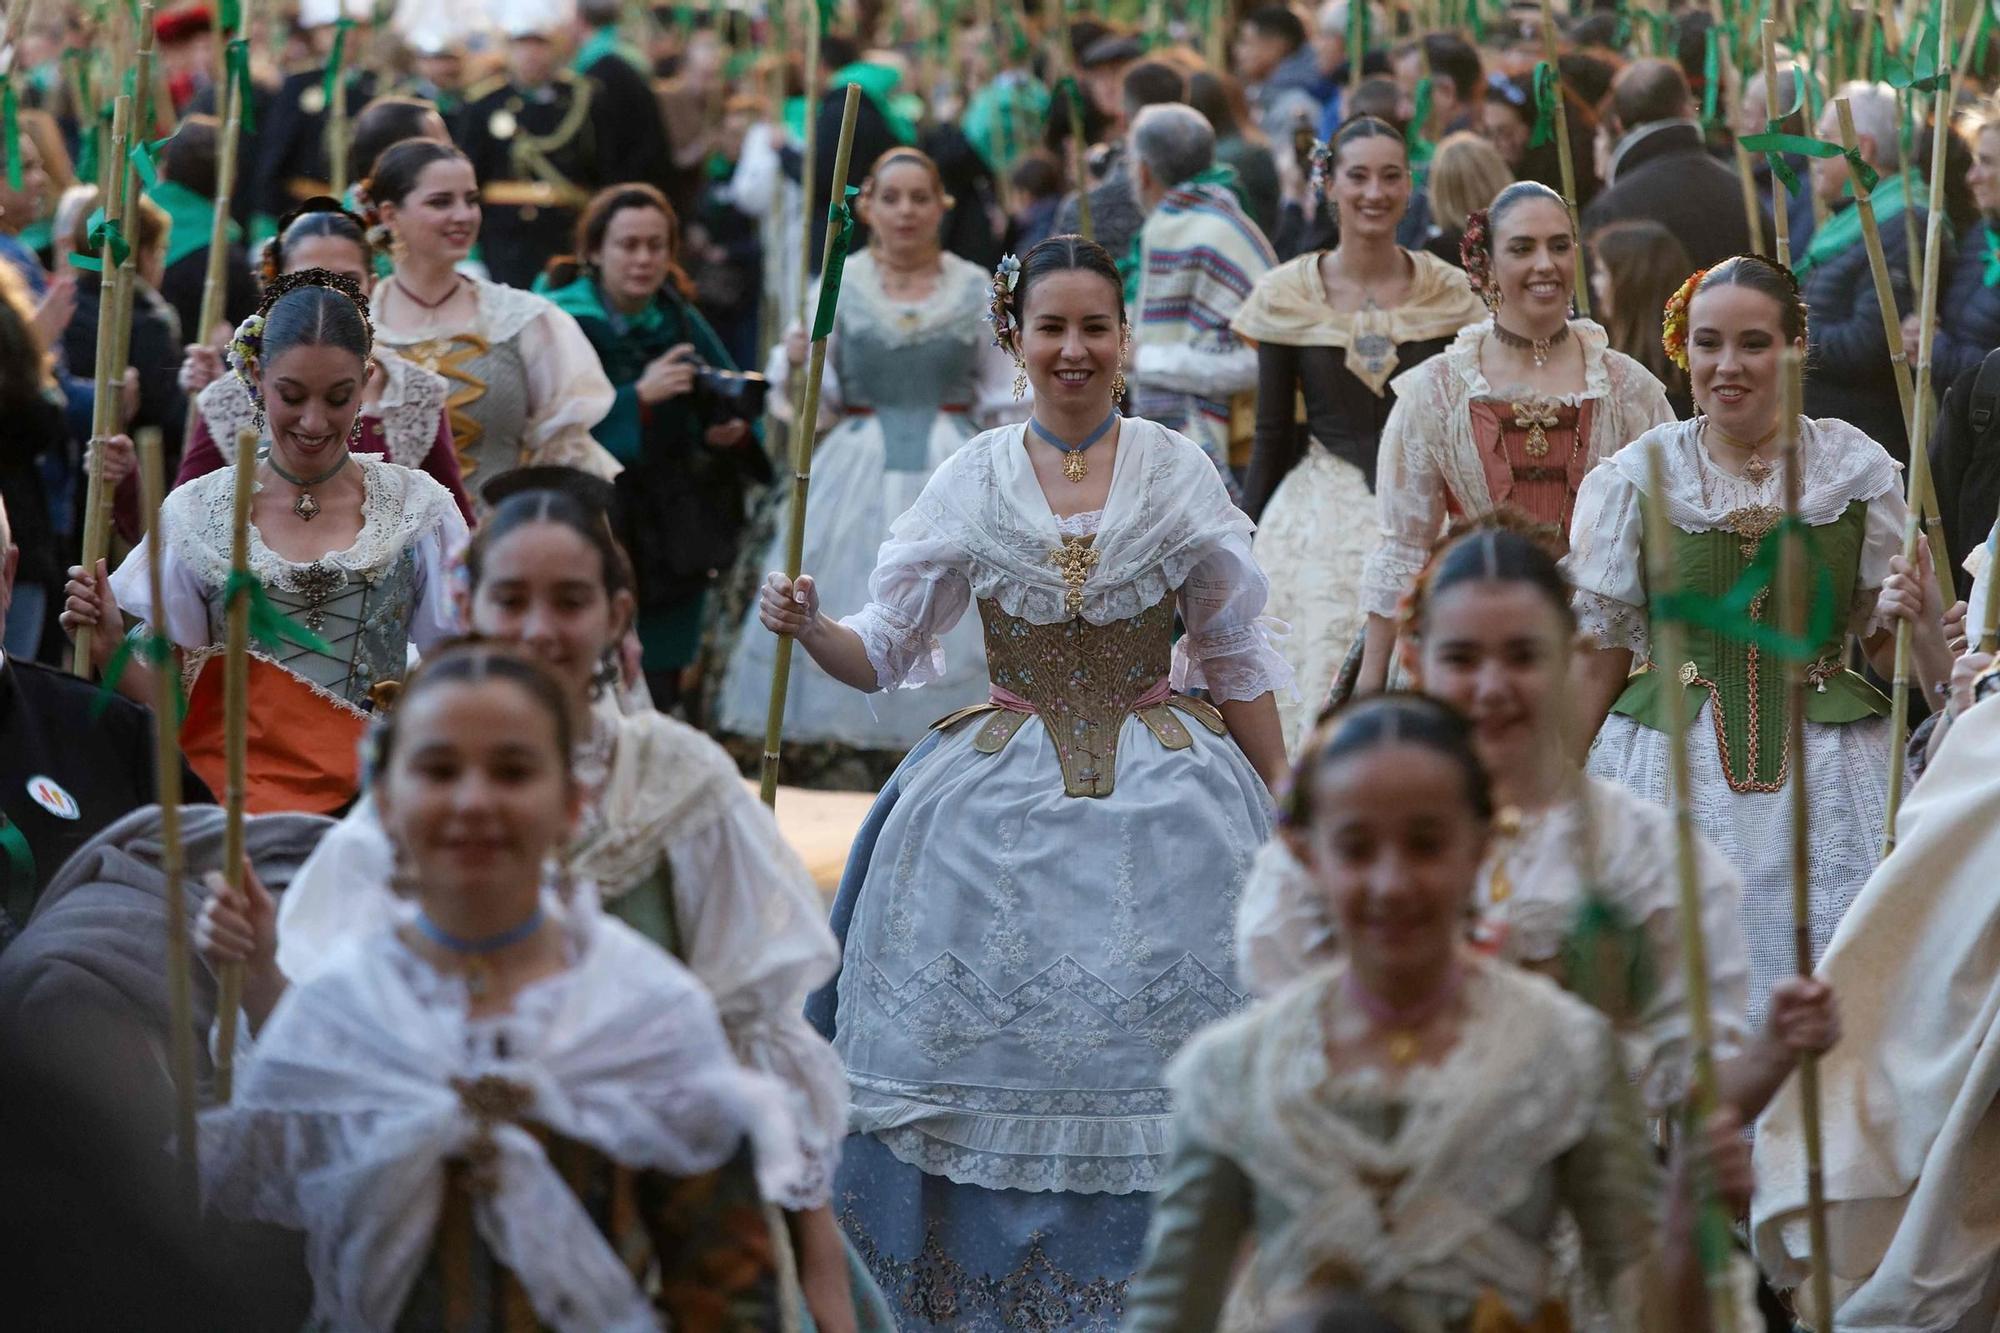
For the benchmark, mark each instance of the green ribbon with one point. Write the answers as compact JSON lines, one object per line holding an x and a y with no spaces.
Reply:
{"x":1545,"y":94}
{"x":20,"y":860}
{"x":1729,"y":614}
{"x":268,"y":625}
{"x":334,"y":60}
{"x":140,"y":155}
{"x":153,"y":647}
{"x":1774,"y":144}
{"x":10,"y":131}
{"x":1922,"y":74}
{"x":1357,"y":35}
{"x":229,"y":15}
{"x":1420,"y":147}
{"x":1711,"y":76}
{"x":839,"y":235}
{"x":104,"y":234}
{"x":236,"y":70}
{"x":1991,"y":277}
{"x":1606,"y":962}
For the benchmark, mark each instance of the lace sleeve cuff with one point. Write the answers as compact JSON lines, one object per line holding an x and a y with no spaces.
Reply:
{"x":901,"y":653}
{"x":1389,"y":573}
{"x":1233,"y":664}
{"x":816,"y":1087}
{"x":1610,"y":623}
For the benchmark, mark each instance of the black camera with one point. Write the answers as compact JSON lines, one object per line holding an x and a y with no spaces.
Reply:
{"x":722,"y":396}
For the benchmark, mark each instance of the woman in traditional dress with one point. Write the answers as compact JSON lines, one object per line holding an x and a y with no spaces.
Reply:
{"x":674,"y":845}
{"x":354,"y":549}
{"x":1515,"y":412}
{"x":1038,"y":911}
{"x":1724,"y":494}
{"x":402,"y":406}
{"x":526,"y":388}
{"x":1580,"y":880}
{"x":1412,"y":1121}
{"x":909,"y":371}
{"x":500,"y":1096}
{"x":689,"y":451}
{"x":1331,"y":327}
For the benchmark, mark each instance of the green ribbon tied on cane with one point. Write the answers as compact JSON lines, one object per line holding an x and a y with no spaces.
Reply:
{"x":1729,"y":615}
{"x":236,"y":69}
{"x":334,"y":60}
{"x":268,"y":625}
{"x":1357,"y":35}
{"x":229,"y":15}
{"x":1991,"y":276}
{"x":153,"y":647}
{"x":10,"y":131}
{"x":140,"y":155}
{"x":1774,"y":144}
{"x":1420,"y":147}
{"x":839,"y":235}
{"x":1711,"y":77}
{"x":104,"y":237}
{"x":1546,"y":92}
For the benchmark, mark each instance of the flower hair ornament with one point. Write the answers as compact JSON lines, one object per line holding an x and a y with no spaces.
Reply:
{"x":999,"y":313}
{"x":246,"y":348}
{"x":1674,"y":324}
{"x":1320,"y":161}
{"x":1475,"y":254}
{"x":246,"y":345}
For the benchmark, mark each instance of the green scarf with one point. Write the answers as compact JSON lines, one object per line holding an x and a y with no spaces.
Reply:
{"x":192,"y":216}
{"x":1991,"y":277}
{"x":878,"y":82}
{"x":604,"y":42}
{"x":1842,"y":232}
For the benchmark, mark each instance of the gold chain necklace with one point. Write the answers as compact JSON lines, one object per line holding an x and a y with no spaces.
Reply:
{"x":1537,"y":348}
{"x":1755,"y":470}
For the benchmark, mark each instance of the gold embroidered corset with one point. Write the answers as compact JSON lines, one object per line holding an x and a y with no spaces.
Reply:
{"x":1082,"y":680}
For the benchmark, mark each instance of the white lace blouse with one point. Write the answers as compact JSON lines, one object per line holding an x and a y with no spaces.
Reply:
{"x":983,"y":529}
{"x":1428,"y":450}
{"x":1605,"y":566}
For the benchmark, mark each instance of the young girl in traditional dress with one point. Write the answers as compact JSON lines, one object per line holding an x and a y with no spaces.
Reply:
{"x":673,"y":843}
{"x":1515,"y":412}
{"x":354,"y":549}
{"x":500,"y":1097}
{"x":1411,"y":1121}
{"x":910,"y":371}
{"x":525,"y":385}
{"x":1723,"y":472}
{"x":1333,"y":326}
{"x":403,"y":414}
{"x":1038,"y":911}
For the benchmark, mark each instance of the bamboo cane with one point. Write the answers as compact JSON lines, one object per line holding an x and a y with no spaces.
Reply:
{"x":1549,"y":53}
{"x":1920,"y":455}
{"x":804,"y":429}
{"x":235,"y":749}
{"x":1078,"y":149}
{"x":1668,"y":637}
{"x":810,"y":152}
{"x":336,"y":131}
{"x":106,"y":400}
{"x":167,"y":785}
{"x":215,"y":276}
{"x":1793,"y":562}
{"x":1906,"y":110}
{"x":1753,"y":216}
{"x":1899,"y":356}
{"x":1780,"y":206}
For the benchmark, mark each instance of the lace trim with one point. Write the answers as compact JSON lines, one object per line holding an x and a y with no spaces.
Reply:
{"x":503,"y":312}
{"x":1842,"y":464}
{"x":399,"y":507}
{"x":1463,"y":359}
{"x":934,"y":1290}
{"x":958,"y":300}
{"x":1610,"y":623}
{"x":901,"y":653}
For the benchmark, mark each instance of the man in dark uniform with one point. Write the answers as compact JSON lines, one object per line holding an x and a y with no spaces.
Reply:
{"x":291,"y":163}
{"x":65,"y":773}
{"x":535,"y":134}
{"x":635,"y":133}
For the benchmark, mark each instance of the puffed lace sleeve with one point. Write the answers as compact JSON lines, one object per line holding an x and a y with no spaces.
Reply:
{"x":1283,"y":929}
{"x":921,"y":586}
{"x":436,"y":617}
{"x":568,"y":393}
{"x":184,"y":617}
{"x":1881,"y":541}
{"x":1606,"y":562}
{"x":757,"y":938}
{"x":1409,"y":498}
{"x":1228,"y":648}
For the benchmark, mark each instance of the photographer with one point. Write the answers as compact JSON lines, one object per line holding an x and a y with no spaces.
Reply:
{"x":682,"y":423}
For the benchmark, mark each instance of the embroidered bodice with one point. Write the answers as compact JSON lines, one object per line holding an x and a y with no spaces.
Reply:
{"x":1534,"y":459}
{"x":904,"y":362}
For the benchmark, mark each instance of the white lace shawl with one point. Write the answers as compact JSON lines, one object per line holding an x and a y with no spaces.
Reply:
{"x":958,"y":303}
{"x":1283,"y":929}
{"x":752,"y":925}
{"x":411,"y":404}
{"x":983,"y":529}
{"x":402,"y":509}
{"x":1428,"y":451}
{"x":345,"y":1116}
{"x":1533,"y":1073}
{"x":1604,"y":565}
{"x":567,"y":389}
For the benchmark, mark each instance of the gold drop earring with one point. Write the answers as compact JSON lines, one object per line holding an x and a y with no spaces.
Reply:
{"x":1020,"y":378}
{"x":1118,"y":379}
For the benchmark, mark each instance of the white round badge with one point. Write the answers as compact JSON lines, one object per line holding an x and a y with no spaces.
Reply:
{"x":49,"y":794}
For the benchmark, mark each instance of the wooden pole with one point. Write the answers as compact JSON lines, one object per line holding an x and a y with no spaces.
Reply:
{"x":1668,"y":637}
{"x":810,"y":152}
{"x":804,"y":431}
{"x":1078,"y":149}
{"x":235,"y":749}
{"x":215,"y":276}
{"x":1794,"y":560}
{"x":167,"y":785}
{"x":336,"y":130}
{"x":1550,"y":53}
{"x":106,"y":398}
{"x":1920,"y":454}
{"x":1773,"y":104}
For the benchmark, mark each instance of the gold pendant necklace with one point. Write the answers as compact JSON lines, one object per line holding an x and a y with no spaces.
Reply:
{"x":306,"y":506}
{"x":1755,"y":470}
{"x":1537,"y":348}
{"x":1075,"y":468}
